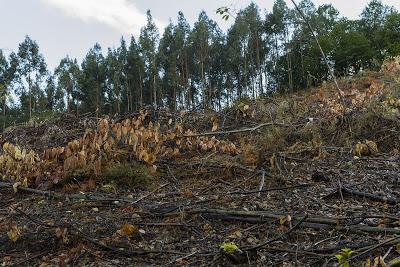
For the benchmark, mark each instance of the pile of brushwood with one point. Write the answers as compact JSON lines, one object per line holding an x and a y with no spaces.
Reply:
{"x":304,"y":179}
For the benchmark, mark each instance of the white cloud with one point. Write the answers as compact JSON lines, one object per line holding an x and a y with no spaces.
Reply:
{"x":121,"y":15}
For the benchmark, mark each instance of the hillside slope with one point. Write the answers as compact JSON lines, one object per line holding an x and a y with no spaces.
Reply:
{"x":289,"y":179}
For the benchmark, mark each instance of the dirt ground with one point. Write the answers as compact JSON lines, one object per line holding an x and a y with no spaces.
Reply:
{"x":185,"y":221}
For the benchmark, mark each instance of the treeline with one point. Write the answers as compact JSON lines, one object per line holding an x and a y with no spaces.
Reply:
{"x":201,"y":67}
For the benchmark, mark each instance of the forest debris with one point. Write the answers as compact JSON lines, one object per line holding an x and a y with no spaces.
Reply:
{"x":366,"y":148}
{"x":128,"y":229}
{"x":374,"y":197}
{"x":265,"y":243}
{"x":14,"y":233}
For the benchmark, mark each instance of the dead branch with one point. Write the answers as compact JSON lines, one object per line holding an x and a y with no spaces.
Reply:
{"x":252,"y":129}
{"x":56,"y":195}
{"x":389,"y":200}
{"x":269,"y":190}
{"x":310,"y":222}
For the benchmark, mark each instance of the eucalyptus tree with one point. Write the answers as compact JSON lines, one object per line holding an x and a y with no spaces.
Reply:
{"x":54,"y":95}
{"x":201,"y":37}
{"x":6,"y":77}
{"x":181,"y":35}
{"x":254,"y":45}
{"x":92,"y":81}
{"x":68,"y":78}
{"x":31,"y":70}
{"x":276,"y":25}
{"x":148,"y":41}
{"x":135,"y":72}
{"x":217,"y":70}
{"x":372,"y":24}
{"x":114,"y":75}
{"x":168,"y":62}
{"x":235,"y":54}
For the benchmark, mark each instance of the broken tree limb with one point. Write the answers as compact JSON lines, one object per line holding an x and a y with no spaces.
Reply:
{"x":366,"y":250}
{"x":261,"y":183}
{"x":57,"y":195}
{"x":269,"y":189}
{"x":319,"y":226}
{"x":251,"y":129}
{"x":315,"y":222}
{"x":389,"y":200}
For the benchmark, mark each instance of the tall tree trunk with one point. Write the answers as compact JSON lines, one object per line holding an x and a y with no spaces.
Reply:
{"x":155,"y":91}
{"x":174,"y":97}
{"x":118,"y":100}
{"x":69,"y":90}
{"x":259,"y":65}
{"x":203,"y":84}
{"x":141,"y":90}
{"x":187,"y":85}
{"x":97,"y":100}
{"x":245,"y":73}
{"x":289,"y":63}
{"x":127,"y":95}
{"x":68,"y":102}
{"x":4,"y":108}
{"x":30,"y":96}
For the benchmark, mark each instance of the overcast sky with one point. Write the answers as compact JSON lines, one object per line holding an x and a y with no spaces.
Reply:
{"x":71,"y":27}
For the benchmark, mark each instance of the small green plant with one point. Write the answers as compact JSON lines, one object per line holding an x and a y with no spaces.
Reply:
{"x":229,"y":248}
{"x":344,"y":256}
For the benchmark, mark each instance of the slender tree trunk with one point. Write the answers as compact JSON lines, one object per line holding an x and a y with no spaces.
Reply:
{"x":141,"y":90}
{"x":204,"y":84}
{"x":127,"y":95}
{"x":68,"y":102}
{"x":155,"y":90}
{"x":289,"y":63}
{"x":187,"y":85}
{"x":245,"y":73}
{"x":259,"y":65}
{"x":118,"y":101}
{"x":30,"y":96}
{"x":97,"y":100}
{"x":239,"y":86}
{"x":4,"y":108}
{"x":69,"y":90}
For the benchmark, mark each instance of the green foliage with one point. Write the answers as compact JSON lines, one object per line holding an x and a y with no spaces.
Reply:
{"x":201,"y":67}
{"x":343,"y":257}
{"x":224,"y":12}
{"x":229,"y":248}
{"x":67,"y":74}
{"x":92,"y":81}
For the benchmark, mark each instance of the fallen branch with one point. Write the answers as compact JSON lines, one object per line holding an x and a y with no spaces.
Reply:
{"x":268,"y":190}
{"x":252,"y":129}
{"x":261,"y":184}
{"x":389,"y":200}
{"x":149,"y":194}
{"x":367,"y":250}
{"x":310,"y":222}
{"x":57,"y":195}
